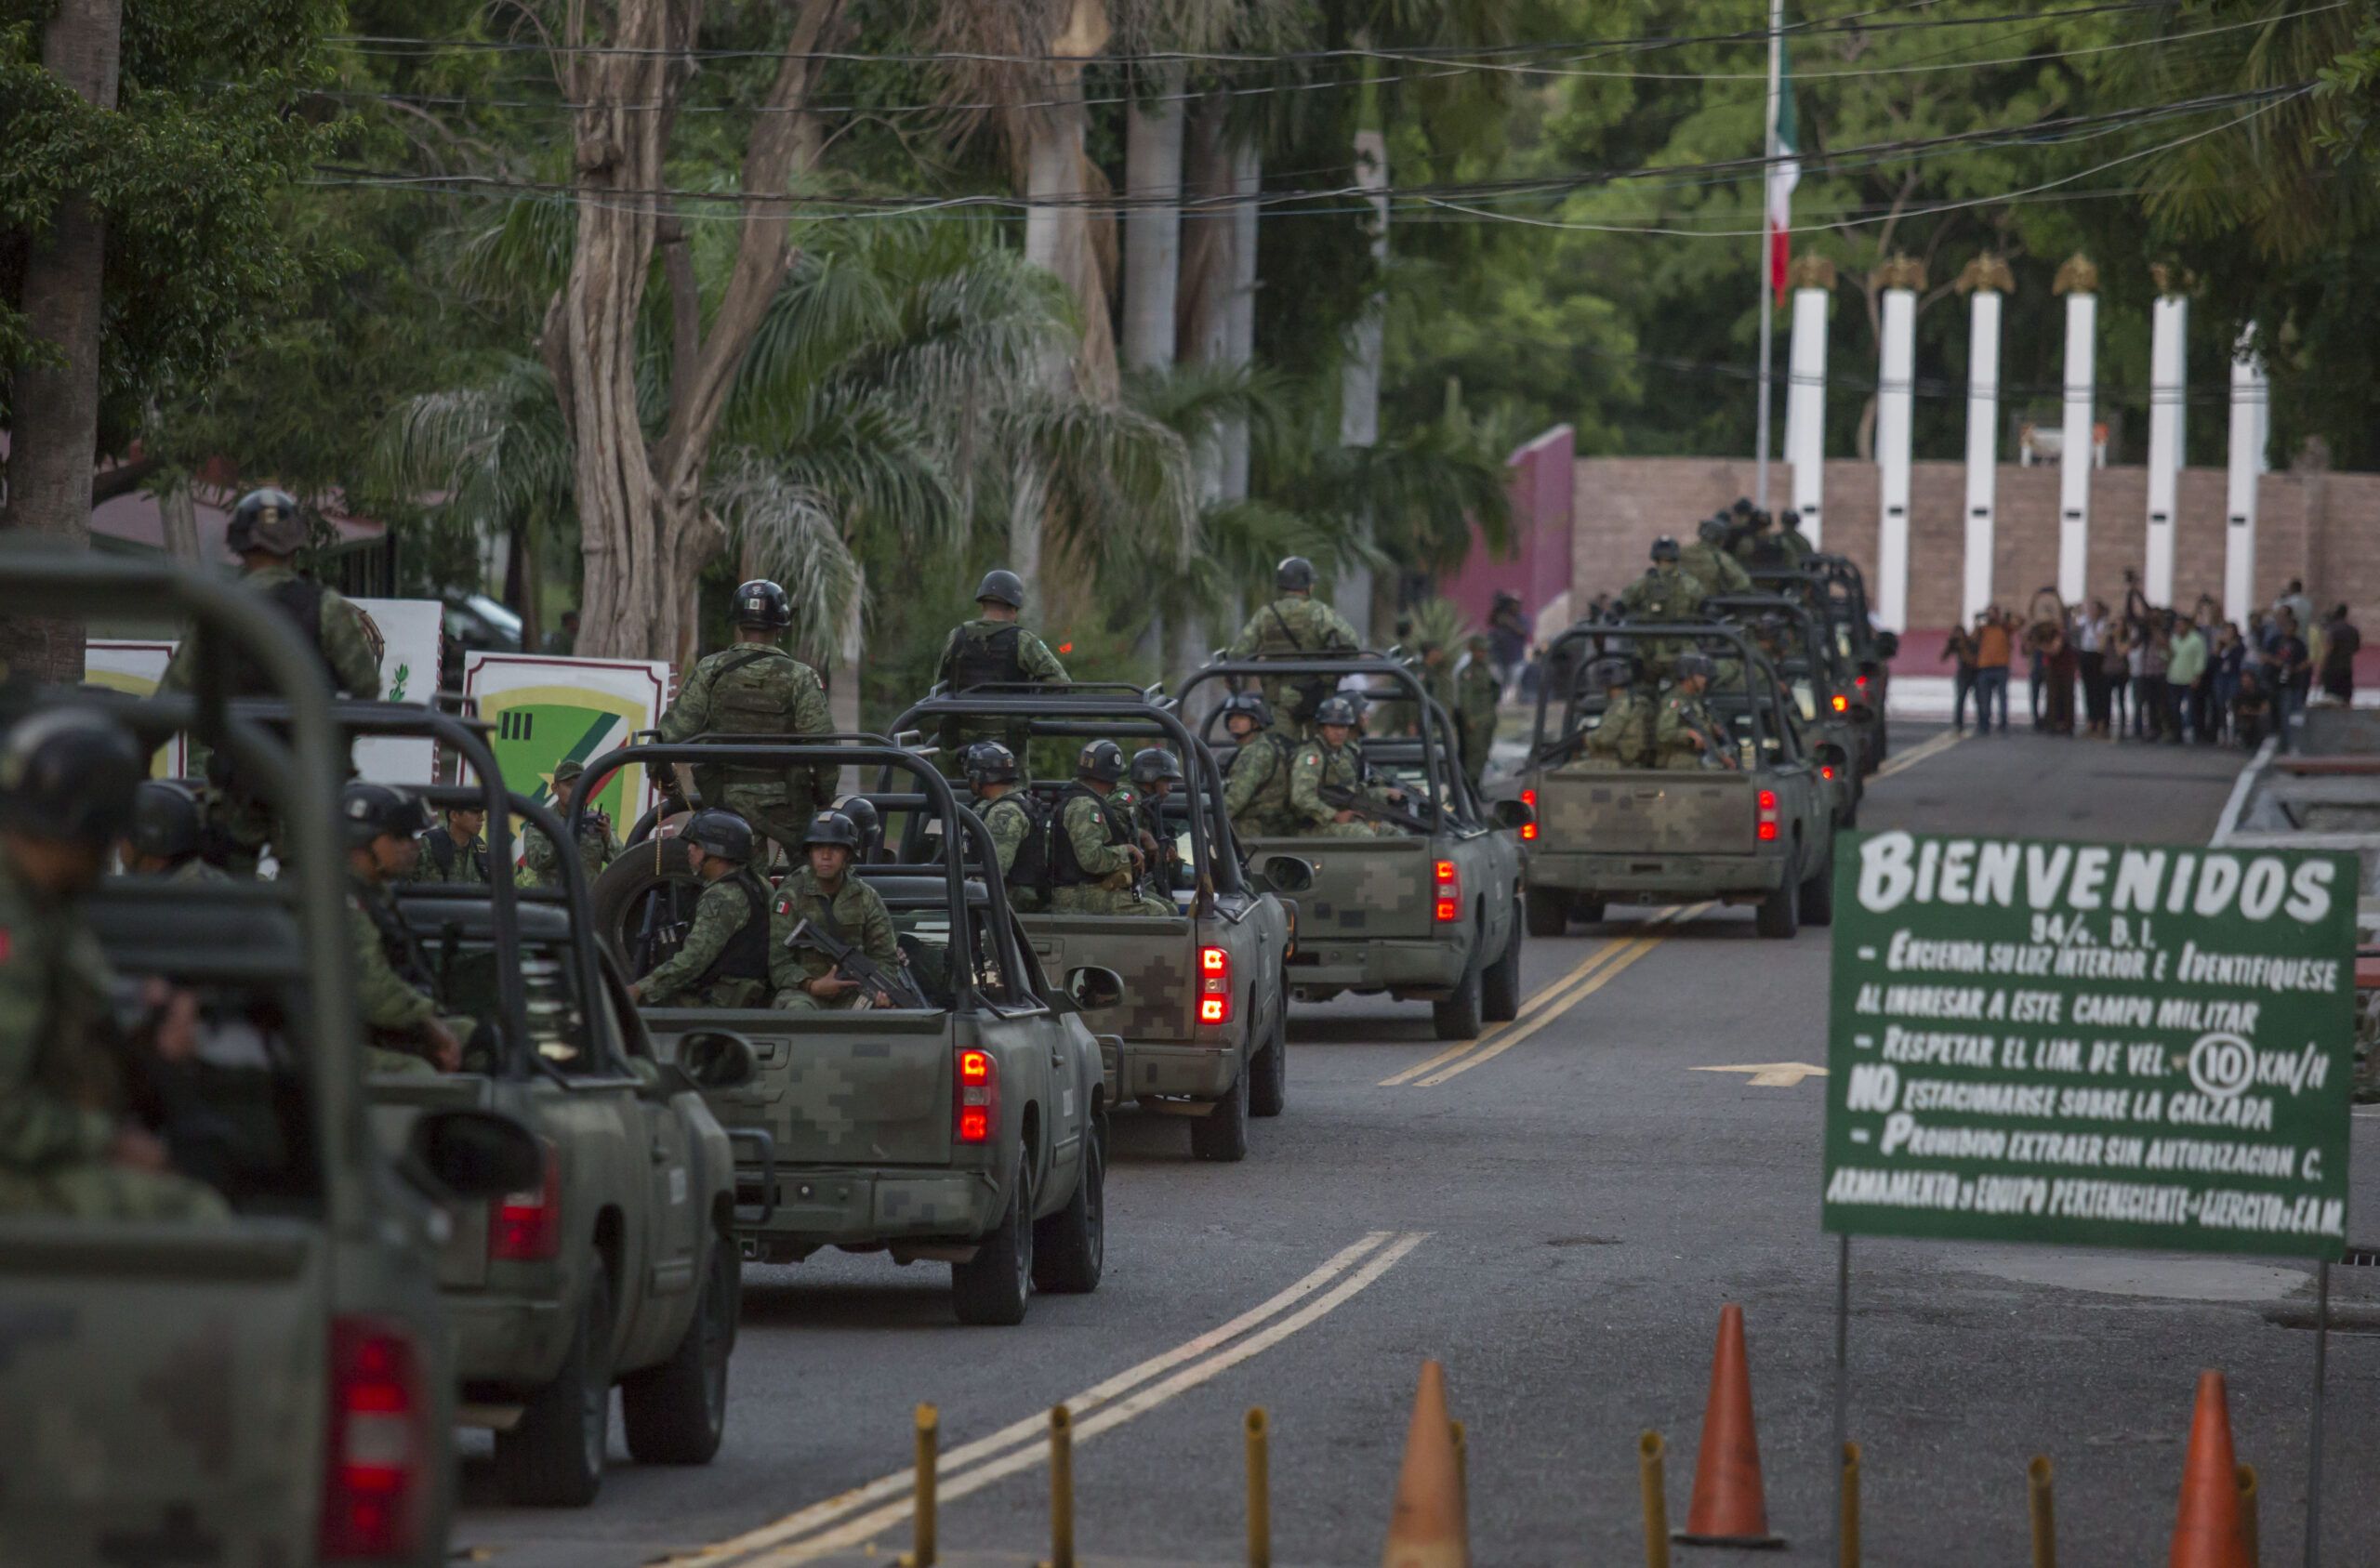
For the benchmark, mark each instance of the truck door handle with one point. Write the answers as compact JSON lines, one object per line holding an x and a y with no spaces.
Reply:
{"x":660,"y":1154}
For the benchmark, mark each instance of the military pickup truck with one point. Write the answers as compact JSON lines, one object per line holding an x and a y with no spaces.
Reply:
{"x":1833,"y":708}
{"x":1429,"y":913}
{"x":1761,"y":832}
{"x":1204,"y":1023}
{"x":1834,"y":589}
{"x":972,"y":1130}
{"x":278,"y":1389}
{"x":619,"y":1264}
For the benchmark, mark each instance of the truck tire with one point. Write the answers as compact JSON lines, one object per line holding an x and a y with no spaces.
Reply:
{"x":1221,"y":1136}
{"x":1548,"y":911}
{"x":617,"y":897}
{"x":992,"y":1287}
{"x":1457,"y":1018}
{"x":675,"y":1413}
{"x":553,"y":1456}
{"x":1268,"y":1082}
{"x":1586,"y":911}
{"x":1780,"y":912}
{"x":1070,"y":1247}
{"x":1817,"y":897}
{"x":1499,"y":988}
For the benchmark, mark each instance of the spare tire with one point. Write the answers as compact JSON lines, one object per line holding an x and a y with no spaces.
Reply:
{"x":642,"y":903}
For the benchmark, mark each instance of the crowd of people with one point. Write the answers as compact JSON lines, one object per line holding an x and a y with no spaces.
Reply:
{"x":2154,"y":672}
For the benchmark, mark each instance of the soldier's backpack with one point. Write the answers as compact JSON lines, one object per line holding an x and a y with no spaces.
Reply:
{"x":439,"y":845}
{"x":1030,"y":871}
{"x":748,"y":699}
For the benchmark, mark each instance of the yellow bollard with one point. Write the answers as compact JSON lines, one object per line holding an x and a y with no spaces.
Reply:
{"x":921,"y":1550}
{"x":2037,"y":1482}
{"x":1850,"y":1504}
{"x":1649,"y":1449}
{"x":1461,"y":1470}
{"x":1062,"y":1487}
{"x":1260,"y":1489}
{"x":2248,"y":1512}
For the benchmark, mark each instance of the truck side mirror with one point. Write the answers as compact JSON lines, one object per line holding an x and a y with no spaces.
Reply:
{"x":1288,"y":873}
{"x":1513,"y":814}
{"x":1094,"y":989}
{"x":476,"y":1153}
{"x":717,"y":1059}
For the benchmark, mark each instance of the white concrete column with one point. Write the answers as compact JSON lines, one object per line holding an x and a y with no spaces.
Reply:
{"x":2250,"y":410}
{"x":1895,"y":392}
{"x":2168,"y":381}
{"x":2079,"y":281}
{"x":1806,"y":402}
{"x":1984,"y":280}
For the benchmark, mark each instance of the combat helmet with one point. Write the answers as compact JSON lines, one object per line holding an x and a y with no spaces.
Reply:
{"x":1610,"y":670}
{"x":1001,"y":587}
{"x":1711,"y":530}
{"x":266,"y":520}
{"x":1665,"y":548}
{"x":1154,"y":765}
{"x":832,"y":827}
{"x":1688,"y":664}
{"x":68,"y":774}
{"x":166,"y":821}
{"x":761,"y":603}
{"x":1253,"y":705}
{"x":990,"y":763}
{"x":1295,"y":574}
{"x":1102,"y":761}
{"x":1336,"y":709}
{"x":370,"y":809}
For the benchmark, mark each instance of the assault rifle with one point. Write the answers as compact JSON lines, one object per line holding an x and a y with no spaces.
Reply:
{"x":1715,"y":752}
{"x":878,"y":988}
{"x":1348,"y":799}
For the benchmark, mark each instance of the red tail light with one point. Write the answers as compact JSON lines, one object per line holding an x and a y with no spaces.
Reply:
{"x":1860,"y":681}
{"x":979,"y":1097}
{"x":1528,"y":828}
{"x":1214,"y":985}
{"x":525,"y":1226}
{"x":1448,"y":905}
{"x":376,"y":1454}
{"x":1842,"y":703}
{"x":1825,"y":770}
{"x":1768,"y":815}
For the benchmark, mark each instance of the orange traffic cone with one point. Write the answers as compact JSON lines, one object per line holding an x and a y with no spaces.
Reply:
{"x":2209,"y":1532}
{"x":1728,"y":1508}
{"x":1426,"y":1530}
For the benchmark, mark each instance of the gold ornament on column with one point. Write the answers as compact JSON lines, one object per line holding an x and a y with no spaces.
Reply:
{"x":1810,"y":270}
{"x":1988,"y":273}
{"x":1899,"y":270}
{"x":2080,"y":275}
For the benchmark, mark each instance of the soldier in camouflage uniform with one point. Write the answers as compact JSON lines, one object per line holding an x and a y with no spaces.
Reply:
{"x":1665,"y":593}
{"x":1682,"y":734}
{"x":1795,"y":542}
{"x":597,"y":846}
{"x":1095,"y":867}
{"x":724,"y":961}
{"x":393,"y":985}
{"x":755,"y":688}
{"x":992,"y":777}
{"x":1157,"y":774}
{"x":1256,"y":791}
{"x":992,"y":649}
{"x":824,"y":893}
{"x":1623,"y":736}
{"x":68,"y":1144}
{"x":453,"y":851}
{"x":169,"y":827}
{"x":1475,"y":695}
{"x":1708,"y":563}
{"x":266,"y":533}
{"x":1333,"y":759}
{"x":1294,"y":623}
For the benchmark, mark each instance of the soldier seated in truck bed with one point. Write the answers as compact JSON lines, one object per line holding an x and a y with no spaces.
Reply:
{"x":1333,"y":762}
{"x":1621,"y":735}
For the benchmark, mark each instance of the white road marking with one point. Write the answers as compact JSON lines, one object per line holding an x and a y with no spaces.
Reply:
{"x":1770,"y":1074}
{"x":1919,"y":753}
{"x":1628,"y":956}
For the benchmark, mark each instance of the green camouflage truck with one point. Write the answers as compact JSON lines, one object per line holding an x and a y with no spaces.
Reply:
{"x":1834,"y":709}
{"x":1836,"y":591}
{"x":619,"y":1265}
{"x":971,"y":1131}
{"x":1757,"y":829}
{"x":279,"y":1389}
{"x":1202,"y":1032}
{"x":1432,"y":913}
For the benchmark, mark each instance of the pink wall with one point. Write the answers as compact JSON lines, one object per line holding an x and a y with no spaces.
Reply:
{"x":1539,"y":567}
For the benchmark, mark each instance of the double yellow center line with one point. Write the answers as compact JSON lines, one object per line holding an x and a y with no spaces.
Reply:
{"x":1594,"y":973}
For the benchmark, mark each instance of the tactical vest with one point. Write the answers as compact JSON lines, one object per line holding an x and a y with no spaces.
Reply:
{"x":985,"y":658}
{"x":746,"y":956}
{"x":398,"y":943}
{"x":300,"y":598}
{"x":1031,"y":868}
{"x":1066,"y":871}
{"x":440,"y":846}
{"x":1310,"y":690}
{"x":744,"y":702}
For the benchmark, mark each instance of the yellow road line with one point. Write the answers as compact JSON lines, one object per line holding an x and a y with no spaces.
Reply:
{"x":1635,"y":951}
{"x":1925,"y":749}
{"x":1033,"y":1430}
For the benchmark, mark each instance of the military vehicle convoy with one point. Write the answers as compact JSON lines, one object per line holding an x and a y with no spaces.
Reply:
{"x":1431,"y":914}
{"x":279,"y":1388}
{"x":1834,"y":589}
{"x":1759,"y":832}
{"x":1825,"y":693}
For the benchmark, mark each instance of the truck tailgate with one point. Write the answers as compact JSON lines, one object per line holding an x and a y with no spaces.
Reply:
{"x":862,"y":1086}
{"x":165,"y":1385}
{"x":1646,"y":812}
{"x":395,"y":1104}
{"x":1362,"y":887}
{"x":1152,"y":956}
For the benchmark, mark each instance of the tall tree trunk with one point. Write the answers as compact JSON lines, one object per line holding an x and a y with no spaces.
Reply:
{"x":1239,"y":348}
{"x":54,"y":438}
{"x":1153,"y":255}
{"x":1211,"y":240}
{"x":1359,"y":377}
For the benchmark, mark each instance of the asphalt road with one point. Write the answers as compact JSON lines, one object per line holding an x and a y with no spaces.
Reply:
{"x":1559,"y":1221}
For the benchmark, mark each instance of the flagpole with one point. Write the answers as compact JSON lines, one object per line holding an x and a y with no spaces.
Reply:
{"x":1767,"y":296}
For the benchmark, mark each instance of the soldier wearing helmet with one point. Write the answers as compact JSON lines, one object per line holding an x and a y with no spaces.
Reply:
{"x":1687,"y":734}
{"x":1156,"y":773}
{"x":70,"y":1144}
{"x":824,"y":892}
{"x":1476,"y":693}
{"x":1020,"y":830}
{"x":992,"y":649}
{"x":266,"y":532}
{"x":1295,"y":624}
{"x":395,"y":988}
{"x":1095,"y":864}
{"x":1666,"y":593}
{"x":724,"y":960}
{"x":1706,"y":560}
{"x":1623,"y":733}
{"x":755,"y":688}
{"x":168,"y":830}
{"x":1331,"y":759}
{"x":598,"y":846}
{"x":1256,"y":790}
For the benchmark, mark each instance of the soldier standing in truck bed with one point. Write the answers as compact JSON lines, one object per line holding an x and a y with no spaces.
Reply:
{"x":755,"y":688}
{"x":1295,"y":624}
{"x":992,"y":649}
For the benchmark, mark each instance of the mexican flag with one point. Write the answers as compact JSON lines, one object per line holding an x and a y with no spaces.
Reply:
{"x":1783,"y":174}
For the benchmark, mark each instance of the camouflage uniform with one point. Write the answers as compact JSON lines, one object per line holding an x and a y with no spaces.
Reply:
{"x":1292,"y":624}
{"x":60,"y":1095}
{"x":1623,"y":738}
{"x":753,"y":689}
{"x":1663,"y":593}
{"x":728,"y":906}
{"x":973,"y":655}
{"x":1097,"y":832}
{"x":855,"y":914}
{"x":1256,"y":792}
{"x":1717,"y":570}
{"x":1673,"y":747}
{"x":392,"y":1003}
{"x":1475,"y":695}
{"x":464,"y":863}
{"x":1316,"y":765}
{"x":194,"y":871}
{"x":1011,"y":825}
{"x":1798,"y":548}
{"x":596,"y":848}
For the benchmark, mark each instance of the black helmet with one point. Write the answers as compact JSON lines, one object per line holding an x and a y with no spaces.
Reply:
{"x":165,"y":819}
{"x":761,"y":603}
{"x":1102,"y":761}
{"x":1251,"y":703}
{"x":1295,"y":574}
{"x":1690,"y":663}
{"x":266,"y":520}
{"x":1612,"y":670}
{"x":1742,"y":507}
{"x":831,"y":826}
{"x":1665,"y":548}
{"x":1001,"y":587}
{"x":1336,"y":710}
{"x":1153,"y":765}
{"x":863,"y":816}
{"x":990,"y":763}
{"x":370,"y":809}
{"x":1711,"y":530}
{"x":723,"y":834}
{"x":69,"y":774}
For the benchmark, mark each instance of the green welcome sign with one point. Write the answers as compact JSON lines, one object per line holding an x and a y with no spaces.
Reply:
{"x":2114,"y":1045}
